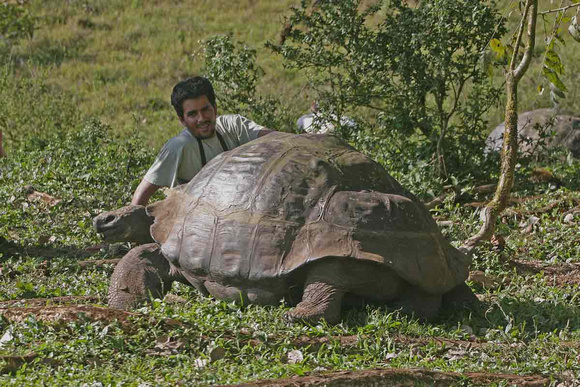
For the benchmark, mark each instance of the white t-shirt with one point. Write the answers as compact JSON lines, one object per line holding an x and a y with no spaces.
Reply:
{"x":179,"y":160}
{"x":313,"y":123}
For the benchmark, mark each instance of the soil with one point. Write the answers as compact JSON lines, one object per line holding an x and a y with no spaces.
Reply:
{"x":64,"y":314}
{"x":401,"y":377}
{"x":562,"y":274}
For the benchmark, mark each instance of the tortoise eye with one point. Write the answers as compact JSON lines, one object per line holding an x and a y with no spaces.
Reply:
{"x":110,"y":218}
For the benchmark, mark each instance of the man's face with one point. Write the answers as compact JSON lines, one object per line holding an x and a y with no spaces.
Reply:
{"x":199,"y":117}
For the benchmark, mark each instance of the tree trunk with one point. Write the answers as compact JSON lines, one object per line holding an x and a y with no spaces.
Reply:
{"x":510,"y":143}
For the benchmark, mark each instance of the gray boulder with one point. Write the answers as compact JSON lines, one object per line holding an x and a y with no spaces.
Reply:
{"x":531,"y":125}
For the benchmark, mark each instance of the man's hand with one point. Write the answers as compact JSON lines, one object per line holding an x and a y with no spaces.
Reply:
{"x":144,"y":192}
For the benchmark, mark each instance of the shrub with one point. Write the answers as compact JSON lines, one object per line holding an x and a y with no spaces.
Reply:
{"x":90,"y":169}
{"x":233,"y":71}
{"x":414,"y":78}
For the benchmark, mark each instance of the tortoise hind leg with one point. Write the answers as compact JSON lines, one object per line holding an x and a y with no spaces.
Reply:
{"x":419,"y":303}
{"x":330,"y":279}
{"x":142,"y":273}
{"x":320,"y":301}
{"x":322,"y":297}
{"x":459,"y":297}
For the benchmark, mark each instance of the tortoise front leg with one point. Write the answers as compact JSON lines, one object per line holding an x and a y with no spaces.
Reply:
{"x":142,"y":273}
{"x":322,"y":298}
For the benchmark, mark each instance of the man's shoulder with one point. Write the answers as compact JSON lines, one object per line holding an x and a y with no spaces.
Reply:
{"x":228,"y":119}
{"x":239,"y":128}
{"x":232,"y":124}
{"x":180,"y":140}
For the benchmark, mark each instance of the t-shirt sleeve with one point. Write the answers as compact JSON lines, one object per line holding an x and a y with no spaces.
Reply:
{"x":164,"y":170}
{"x":242,"y":128}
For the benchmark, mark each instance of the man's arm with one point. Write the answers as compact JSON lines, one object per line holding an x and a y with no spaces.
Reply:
{"x":264,"y":132}
{"x":144,"y":192}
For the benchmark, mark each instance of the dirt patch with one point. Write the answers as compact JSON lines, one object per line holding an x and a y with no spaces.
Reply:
{"x":559,"y":275}
{"x":61,"y":315}
{"x":29,"y":302}
{"x":313,"y":344}
{"x":13,"y":363}
{"x":562,"y":274}
{"x":401,"y":377}
{"x":64,"y":314}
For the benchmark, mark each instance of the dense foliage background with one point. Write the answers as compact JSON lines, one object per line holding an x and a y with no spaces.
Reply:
{"x":84,"y":107}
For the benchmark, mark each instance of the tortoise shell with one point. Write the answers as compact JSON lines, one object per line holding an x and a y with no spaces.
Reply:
{"x":271,"y":206}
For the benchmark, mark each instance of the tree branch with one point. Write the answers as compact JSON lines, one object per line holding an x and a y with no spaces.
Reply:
{"x":530,"y":43}
{"x":456,"y":94}
{"x":560,"y":9}
{"x":519,"y":38}
{"x":510,"y":145}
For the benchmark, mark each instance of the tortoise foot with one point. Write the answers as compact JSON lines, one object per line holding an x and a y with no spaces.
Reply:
{"x":320,"y":301}
{"x":142,"y":273}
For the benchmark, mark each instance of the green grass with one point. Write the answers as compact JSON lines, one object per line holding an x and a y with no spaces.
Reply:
{"x":526,"y":325}
{"x":116,"y":61}
{"x":121,"y":59}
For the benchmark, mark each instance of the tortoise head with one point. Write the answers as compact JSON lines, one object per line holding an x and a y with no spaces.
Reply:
{"x":127,"y":224}
{"x":141,"y":224}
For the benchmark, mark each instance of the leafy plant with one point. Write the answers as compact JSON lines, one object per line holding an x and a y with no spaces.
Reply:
{"x":15,"y":22}
{"x":233,"y":71}
{"x":404,"y":72}
{"x":89,"y":169}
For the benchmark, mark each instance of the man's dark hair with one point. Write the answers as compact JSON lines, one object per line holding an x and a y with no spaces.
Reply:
{"x":191,"y":88}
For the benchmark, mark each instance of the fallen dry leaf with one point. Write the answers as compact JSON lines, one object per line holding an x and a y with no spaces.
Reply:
{"x":36,"y":196}
{"x":479,"y":277}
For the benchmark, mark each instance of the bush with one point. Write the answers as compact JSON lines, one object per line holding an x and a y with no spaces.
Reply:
{"x":235,"y":76}
{"x":90,"y":169}
{"x":414,"y":78}
{"x":15,"y":22}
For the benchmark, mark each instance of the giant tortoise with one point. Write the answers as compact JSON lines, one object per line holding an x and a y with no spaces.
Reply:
{"x":562,"y":130}
{"x":302,"y":217}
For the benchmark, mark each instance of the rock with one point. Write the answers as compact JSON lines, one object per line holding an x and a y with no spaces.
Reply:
{"x":530,"y":127}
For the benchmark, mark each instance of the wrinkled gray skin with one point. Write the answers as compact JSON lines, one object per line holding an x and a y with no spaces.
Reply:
{"x":144,"y":272}
{"x":127,"y":224}
{"x":566,"y":130}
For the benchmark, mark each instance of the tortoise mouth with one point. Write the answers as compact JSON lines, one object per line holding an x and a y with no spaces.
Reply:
{"x":108,"y":233}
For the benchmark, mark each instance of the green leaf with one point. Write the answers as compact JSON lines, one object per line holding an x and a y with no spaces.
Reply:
{"x":556,"y":91}
{"x":560,"y":39}
{"x":497,"y":47}
{"x":552,"y":76}
{"x":553,"y":62}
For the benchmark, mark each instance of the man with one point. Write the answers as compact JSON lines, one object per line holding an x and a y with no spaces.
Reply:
{"x":205,"y":135}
